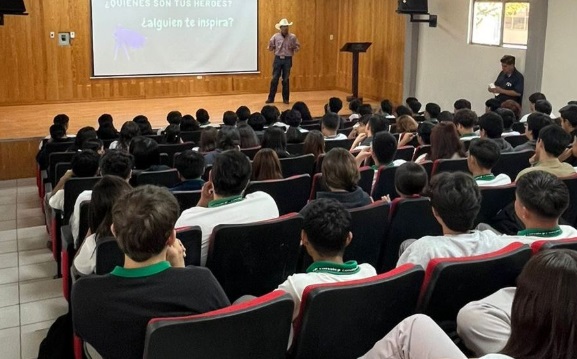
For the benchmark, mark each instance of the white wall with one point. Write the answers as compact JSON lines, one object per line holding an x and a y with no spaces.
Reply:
{"x":448,"y":68}
{"x":559,"y":81}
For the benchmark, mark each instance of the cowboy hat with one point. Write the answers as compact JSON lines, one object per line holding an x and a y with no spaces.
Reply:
{"x":283,"y":22}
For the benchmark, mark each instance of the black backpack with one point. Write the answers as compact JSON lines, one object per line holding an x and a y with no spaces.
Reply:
{"x":58,"y":343}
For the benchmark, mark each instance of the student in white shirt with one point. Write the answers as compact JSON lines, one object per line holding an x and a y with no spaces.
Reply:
{"x":382,"y":150}
{"x":483,"y":155}
{"x":329,"y":126}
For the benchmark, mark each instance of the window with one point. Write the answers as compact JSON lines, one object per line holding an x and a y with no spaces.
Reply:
{"x":500,"y":23}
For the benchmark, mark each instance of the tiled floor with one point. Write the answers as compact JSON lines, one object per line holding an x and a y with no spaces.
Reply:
{"x":30,"y":299}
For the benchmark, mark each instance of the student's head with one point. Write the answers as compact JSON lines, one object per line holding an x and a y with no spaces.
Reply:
{"x":243,"y":113}
{"x":270,"y":113}
{"x":266,"y":165}
{"x":491,"y":125}
{"x":483,"y":155}
{"x":534,"y":97}
{"x":174,"y":117}
{"x":292,"y":118}
{"x":143,"y":125}
{"x":410,"y":179}
{"x":424,"y":132}
{"x":171,"y":134}
{"x":456,"y":200}
{"x":57,"y":132}
{"x":513,"y":106}
{"x":230,"y":173}
{"x":465,"y":120}
{"x":340,"y":171}
{"x":202,"y":116}
{"x":361,"y":125}
{"x":554,"y":140}
{"x":228,"y":138}
{"x":85,"y":163}
{"x":492,"y":104}
{"x":445,"y":116}
{"x":445,"y":142}
{"x":189,"y":164}
{"x":540,"y":195}
{"x":274,"y":138}
{"x":365,"y":109}
{"x":432,"y":110}
{"x":461,"y":104}
{"x":376,"y":124}
{"x":335,"y":104}
{"x":104,"y":194}
{"x":256,"y":121}
{"x":95,"y":145}
{"x":128,"y":131}
{"x":105,"y":119}
{"x":61,"y":119}
{"x":543,"y":106}
{"x":406,"y":123}
{"x":188,"y":123}
{"x":569,"y":117}
{"x":145,"y":152}
{"x":208,"y":140}
{"x":330,"y":123}
{"x":85,"y":133}
{"x":410,"y":99}
{"x":229,"y":118}
{"x":387,"y":107}
{"x":354,"y":105}
{"x":116,"y":163}
{"x":314,"y":143}
{"x":384,"y":148}
{"x":326,"y":227}
{"x":403,"y":110}
{"x":248,"y":138}
{"x":543,"y":314}
{"x":535,"y":122}
{"x":415,"y":106}
{"x":143,"y":221}
{"x":303,"y":110}
{"x":508,"y":117}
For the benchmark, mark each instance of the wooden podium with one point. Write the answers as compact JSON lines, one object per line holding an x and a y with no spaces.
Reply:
{"x":355,"y":48}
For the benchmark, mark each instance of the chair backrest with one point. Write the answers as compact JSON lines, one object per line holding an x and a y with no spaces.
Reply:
{"x":366,"y":181}
{"x":317,"y":186}
{"x":256,"y":329}
{"x":319,"y":163}
{"x":59,"y":171}
{"x":72,"y":188}
{"x":156,"y":138}
{"x":344,"y":320}
{"x":311,"y":126}
{"x":191,"y":238}
{"x":450,"y":283}
{"x":251,"y":152}
{"x":421,"y":150}
{"x":385,"y":183}
{"x":83,"y":223}
{"x":167,"y":178}
{"x":567,"y":243}
{"x":254,"y":258}
{"x":517,"y":139}
{"x":55,"y":158}
{"x":511,"y":163}
{"x":405,"y":153}
{"x":191,"y":136}
{"x":187,"y":199}
{"x":346,"y":144}
{"x":459,"y":164}
{"x":346,"y":130}
{"x":493,"y":199}
{"x":171,"y":149}
{"x":369,"y":227}
{"x":410,"y":218}
{"x":299,"y":165}
{"x":295,"y":149}
{"x":108,"y":255}
{"x":570,"y":215}
{"x":290,"y":194}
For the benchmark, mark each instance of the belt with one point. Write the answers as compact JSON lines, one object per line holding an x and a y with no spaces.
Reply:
{"x":283,"y":57}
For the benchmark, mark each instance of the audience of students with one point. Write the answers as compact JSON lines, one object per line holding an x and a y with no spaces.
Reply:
{"x":314,"y":143}
{"x":144,"y":125}
{"x":329,"y":125}
{"x":128,"y":131}
{"x":227,"y":138}
{"x":275,"y":139}
{"x":410,"y":181}
{"x":188,"y":124}
{"x":190,"y":167}
{"x":445,"y":142}
{"x":491,"y":127}
{"x":248,"y":138}
{"x":106,"y":129}
{"x":146,"y":155}
{"x":483,"y":155}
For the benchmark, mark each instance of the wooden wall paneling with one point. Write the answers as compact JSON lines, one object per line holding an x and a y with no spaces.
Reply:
{"x":18,"y":158}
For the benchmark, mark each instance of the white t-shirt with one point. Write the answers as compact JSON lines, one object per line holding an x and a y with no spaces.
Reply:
{"x":499,"y":180}
{"x":296,"y":283}
{"x":525,"y":117}
{"x":566,"y":232}
{"x":338,"y":136}
{"x":75,"y":216}
{"x":56,"y":200}
{"x":85,"y":260}
{"x":257,"y":206}
{"x":453,"y":246}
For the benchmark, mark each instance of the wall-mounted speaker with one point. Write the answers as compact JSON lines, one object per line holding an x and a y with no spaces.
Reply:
{"x":413,"y":7}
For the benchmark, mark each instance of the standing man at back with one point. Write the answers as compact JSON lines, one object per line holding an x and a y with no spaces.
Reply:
{"x":284,"y":45}
{"x":509,"y":83}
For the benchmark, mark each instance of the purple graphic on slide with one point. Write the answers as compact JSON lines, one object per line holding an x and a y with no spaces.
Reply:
{"x":127,"y":39}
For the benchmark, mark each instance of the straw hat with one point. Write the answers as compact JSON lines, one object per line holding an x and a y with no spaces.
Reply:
{"x":283,"y":22}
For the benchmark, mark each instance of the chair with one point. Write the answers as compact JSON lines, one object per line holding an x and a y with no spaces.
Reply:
{"x":345,"y":319}
{"x":421,"y":150}
{"x":346,"y":144}
{"x":517,"y":139}
{"x":493,"y":199}
{"x":171,"y":149}
{"x":570,"y":215}
{"x":409,"y":218}
{"x":290,"y":194}
{"x":168,"y":178}
{"x":567,"y":243}
{"x":187,"y":199}
{"x":191,"y":136}
{"x":60,"y":169}
{"x":385,"y":183}
{"x":369,"y":227}
{"x":70,"y":245}
{"x":299,"y":165}
{"x":443,"y":165}
{"x":250,"y":152}
{"x":311,"y":126}
{"x":53,"y":159}
{"x":450,"y":283}
{"x":256,"y":329}
{"x":428,"y":166}
{"x":346,"y":131}
{"x":405,"y":153}
{"x":511,"y":163}
{"x":295,"y":149}
{"x":191,"y":238}
{"x":254,"y":258}
{"x":365,"y":182}
{"x":156,"y":138}
{"x":317,"y":186}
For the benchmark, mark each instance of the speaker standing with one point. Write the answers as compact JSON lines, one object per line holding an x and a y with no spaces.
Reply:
{"x":284,"y":45}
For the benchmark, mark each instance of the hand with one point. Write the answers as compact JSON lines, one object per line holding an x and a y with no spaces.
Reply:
{"x":68,"y":174}
{"x":406,"y":138}
{"x":362,"y":156}
{"x":361,"y":136}
{"x":386,"y":198}
{"x":206,"y":195}
{"x":566,"y":154}
{"x":175,"y":254}
{"x":534,"y":159}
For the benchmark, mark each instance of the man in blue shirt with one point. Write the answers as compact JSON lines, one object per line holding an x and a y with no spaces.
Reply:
{"x":510,"y":82}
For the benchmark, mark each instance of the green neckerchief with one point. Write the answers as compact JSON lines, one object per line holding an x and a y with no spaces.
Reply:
{"x":488,"y":177}
{"x":141,"y":272}
{"x":224,"y":201}
{"x":540,"y":232}
{"x":349,"y":267}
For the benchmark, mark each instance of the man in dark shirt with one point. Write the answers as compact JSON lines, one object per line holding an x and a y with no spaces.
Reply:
{"x":110,"y":312}
{"x":510,"y":82}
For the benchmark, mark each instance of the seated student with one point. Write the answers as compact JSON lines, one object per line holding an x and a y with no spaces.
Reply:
{"x":445,"y":143}
{"x":491,"y":127}
{"x":222,"y":202}
{"x":403,"y":110}
{"x":266,"y":166}
{"x":203,"y":118}
{"x":359,"y":128}
{"x":248,"y":138}
{"x":325,"y":235}
{"x":303,"y":110}
{"x":271,"y":114}
{"x":569,"y":124}
{"x":410,"y":181}
{"x":553,"y":140}
{"x":365,"y":109}
{"x":128,"y":131}
{"x":354,"y":107}
{"x":406,"y":127}
{"x":229,"y":118}
{"x":173,"y":118}
{"x":386,"y":109}
{"x":461,"y":104}
{"x":508,"y":119}
{"x":190,"y":167}
{"x":341,"y":176}
{"x":445,"y":116}
{"x":424,"y":139}
{"x":61,"y":120}
{"x":492,"y":104}
{"x":334,"y":105}
{"x":171,"y":135}
{"x":84,"y":134}
{"x":483,"y":155}
{"x":465,"y":121}
{"x":533,"y":98}
{"x":94,"y":144}
{"x":432,"y":111}
{"x":143,"y":125}
{"x":329,"y":126}
{"x":242,"y":114}
{"x":383,"y":150}
{"x":542,"y":316}
{"x":110,"y":312}
{"x":57,"y":134}
{"x":103,"y":196}
{"x":208,"y":140}
{"x":188,"y":123}
{"x":113,"y":163}
{"x":257,"y":122}
{"x":146,"y":155}
{"x":294,"y":133}
{"x":275,"y":139}
{"x":535,"y":122}
{"x":106,"y":129}
{"x":375,"y":124}
{"x":415,"y":107}
{"x":455,"y":201}
{"x":227,"y":138}
{"x":314,"y":143}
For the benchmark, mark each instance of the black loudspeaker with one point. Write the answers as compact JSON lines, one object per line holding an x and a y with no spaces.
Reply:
{"x":413,"y":7}
{"x":12,"y":7}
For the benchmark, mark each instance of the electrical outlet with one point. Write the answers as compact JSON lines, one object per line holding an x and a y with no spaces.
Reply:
{"x":52,"y":34}
{"x":331,"y":37}
{"x":72,"y":34}
{"x":199,"y":77}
